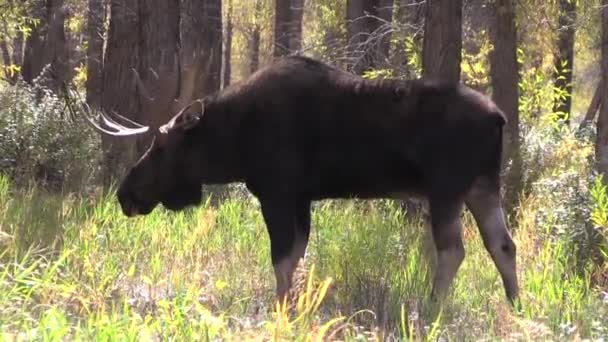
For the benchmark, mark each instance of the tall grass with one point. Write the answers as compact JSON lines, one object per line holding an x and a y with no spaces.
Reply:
{"x":73,"y":267}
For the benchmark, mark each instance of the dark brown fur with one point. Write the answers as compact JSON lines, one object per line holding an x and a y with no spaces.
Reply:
{"x":300,"y":130}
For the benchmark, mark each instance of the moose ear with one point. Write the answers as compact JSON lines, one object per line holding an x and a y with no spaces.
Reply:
{"x":189,"y":120}
{"x":398,"y":92}
{"x":192,"y":118}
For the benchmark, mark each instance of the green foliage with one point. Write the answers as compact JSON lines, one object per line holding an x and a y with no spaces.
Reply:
{"x":324,"y":29}
{"x":475,"y":68}
{"x":75,"y":267}
{"x":16,"y":17}
{"x":599,"y":218}
{"x":413,"y":48}
{"x":378,"y":73}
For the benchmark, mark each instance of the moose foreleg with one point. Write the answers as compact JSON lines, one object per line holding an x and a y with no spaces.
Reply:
{"x":446,"y":228}
{"x":484,"y":203}
{"x":288,"y":227}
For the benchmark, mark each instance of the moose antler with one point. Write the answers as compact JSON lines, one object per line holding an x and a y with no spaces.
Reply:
{"x":115,"y":129}
{"x":119,"y":130}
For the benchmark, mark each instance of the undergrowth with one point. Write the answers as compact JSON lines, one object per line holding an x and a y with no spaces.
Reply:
{"x":73,"y":267}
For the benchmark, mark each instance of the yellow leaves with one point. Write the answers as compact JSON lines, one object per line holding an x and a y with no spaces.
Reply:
{"x":220,"y":284}
{"x":75,"y":24}
{"x":80,"y":78}
{"x":131,"y":270}
{"x":11,"y":70}
{"x":307,"y":305}
{"x":474,"y":67}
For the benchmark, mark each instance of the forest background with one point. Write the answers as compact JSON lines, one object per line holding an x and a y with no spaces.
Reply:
{"x":72,"y":267}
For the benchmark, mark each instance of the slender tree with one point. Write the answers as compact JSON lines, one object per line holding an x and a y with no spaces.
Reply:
{"x":158,"y":64}
{"x":17,"y":56}
{"x":601,"y":144}
{"x":119,"y":95}
{"x":33,"y":58}
{"x":94,"y":84}
{"x":288,"y":26}
{"x":594,"y":106}
{"x":201,"y":42}
{"x":504,"y":73}
{"x":442,"y":47}
{"x":46,"y":45}
{"x":4,"y":51}
{"x":564,"y":59}
{"x":368,"y":32}
{"x":226,"y":65}
{"x":255,"y":39}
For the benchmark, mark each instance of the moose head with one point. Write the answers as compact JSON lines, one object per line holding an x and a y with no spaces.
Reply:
{"x":168,"y":172}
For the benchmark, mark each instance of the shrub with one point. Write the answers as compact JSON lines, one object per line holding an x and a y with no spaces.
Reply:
{"x":41,"y":143}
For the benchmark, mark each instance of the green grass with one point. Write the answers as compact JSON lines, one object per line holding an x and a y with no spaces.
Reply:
{"x":73,"y":267}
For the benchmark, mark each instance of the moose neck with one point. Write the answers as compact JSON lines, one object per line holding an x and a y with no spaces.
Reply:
{"x":218,"y":134}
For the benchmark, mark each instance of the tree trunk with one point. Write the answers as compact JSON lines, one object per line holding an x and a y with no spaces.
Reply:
{"x":119,"y":91}
{"x":504,"y":72}
{"x":288,"y":26}
{"x":46,"y":46}
{"x":442,"y":46}
{"x":564,"y":60}
{"x":201,"y":53}
{"x":33,"y":58}
{"x":95,"y":18}
{"x":254,"y":50}
{"x":18,"y":48}
{"x":213,"y":45}
{"x":594,"y":106}
{"x":158,"y":60}
{"x":368,"y":25}
{"x":384,"y":11}
{"x":255,"y":39}
{"x":601,"y":144}
{"x":6,"y":55}
{"x":227,"y":70}
{"x":55,"y":46}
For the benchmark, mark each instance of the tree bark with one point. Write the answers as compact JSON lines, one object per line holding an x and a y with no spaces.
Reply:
{"x":564,"y":59}
{"x":119,"y":91}
{"x":442,"y":46}
{"x":255,"y":39}
{"x":227,"y":67}
{"x":594,"y":106}
{"x":368,"y":33}
{"x":46,"y":45}
{"x":18,"y":49}
{"x":254,"y":50}
{"x":288,"y":27}
{"x":383,"y":29}
{"x":55,"y":45}
{"x":33,"y":58}
{"x":6,"y":55}
{"x":158,"y":66}
{"x":601,"y":144}
{"x":504,"y":72}
{"x":213,"y":41}
{"x":201,"y":30}
{"x":94,"y":86}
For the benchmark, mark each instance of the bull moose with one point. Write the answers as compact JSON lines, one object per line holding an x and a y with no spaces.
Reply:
{"x":300,"y":130}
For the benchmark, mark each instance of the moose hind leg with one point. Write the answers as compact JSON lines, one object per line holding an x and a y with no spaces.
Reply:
{"x":302,"y":230}
{"x":447,"y":229}
{"x":484,"y":203}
